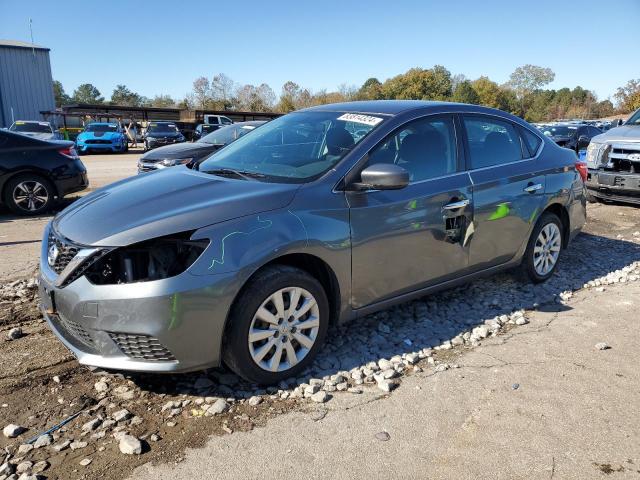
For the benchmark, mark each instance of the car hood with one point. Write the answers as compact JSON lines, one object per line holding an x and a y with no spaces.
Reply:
{"x":181,"y":150}
{"x":168,"y":201}
{"x":625,"y":133}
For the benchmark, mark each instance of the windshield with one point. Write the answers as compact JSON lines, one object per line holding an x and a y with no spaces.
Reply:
{"x":295,"y":147}
{"x":162,"y":128}
{"x":226,"y":135}
{"x":560,"y":131}
{"x":101,"y":127}
{"x":635,"y":119}
{"x":31,"y":127}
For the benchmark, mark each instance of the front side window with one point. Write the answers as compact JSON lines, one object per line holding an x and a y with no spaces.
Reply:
{"x":296,"y":147}
{"x":635,"y":119}
{"x":426,"y":148}
{"x":491,"y":141}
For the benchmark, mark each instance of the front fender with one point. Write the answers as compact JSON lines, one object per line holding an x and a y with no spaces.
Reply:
{"x":246,"y":244}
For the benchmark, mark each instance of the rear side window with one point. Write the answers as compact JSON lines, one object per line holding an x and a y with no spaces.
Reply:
{"x":531,"y":141}
{"x":492,"y":141}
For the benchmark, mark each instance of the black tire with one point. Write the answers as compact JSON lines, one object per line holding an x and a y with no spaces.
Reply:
{"x":235,"y":350}
{"x":528,"y":261}
{"x":29,"y":179}
{"x":126,"y":146}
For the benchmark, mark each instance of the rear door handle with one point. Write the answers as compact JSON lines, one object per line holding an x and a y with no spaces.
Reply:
{"x":456,"y":205}
{"x":533,"y":188}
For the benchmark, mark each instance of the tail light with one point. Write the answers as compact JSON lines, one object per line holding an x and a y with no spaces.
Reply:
{"x":581,"y":168}
{"x":69,"y":152}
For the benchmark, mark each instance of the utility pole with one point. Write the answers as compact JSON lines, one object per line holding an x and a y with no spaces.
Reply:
{"x":33,"y":49}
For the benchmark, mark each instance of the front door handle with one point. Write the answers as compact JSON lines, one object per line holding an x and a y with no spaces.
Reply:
{"x":456,"y":205}
{"x":533,"y":187}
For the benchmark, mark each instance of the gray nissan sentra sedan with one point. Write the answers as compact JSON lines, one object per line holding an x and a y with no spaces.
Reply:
{"x":318,"y":217}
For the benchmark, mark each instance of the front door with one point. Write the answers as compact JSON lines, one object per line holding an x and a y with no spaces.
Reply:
{"x":405,"y":239}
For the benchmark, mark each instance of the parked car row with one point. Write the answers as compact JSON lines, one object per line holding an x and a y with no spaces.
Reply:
{"x":193,"y":153}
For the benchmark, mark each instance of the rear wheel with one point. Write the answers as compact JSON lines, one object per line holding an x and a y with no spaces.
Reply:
{"x":277,"y":325}
{"x":29,"y":194}
{"x":543,"y":250}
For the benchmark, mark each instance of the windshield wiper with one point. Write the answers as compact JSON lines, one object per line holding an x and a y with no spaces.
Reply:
{"x":238,"y":173}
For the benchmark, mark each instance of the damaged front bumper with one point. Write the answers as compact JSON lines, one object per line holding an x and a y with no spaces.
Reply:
{"x":612,"y":185}
{"x":169,"y":325}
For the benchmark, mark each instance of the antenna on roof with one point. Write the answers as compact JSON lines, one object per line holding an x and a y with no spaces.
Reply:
{"x":33,"y":49}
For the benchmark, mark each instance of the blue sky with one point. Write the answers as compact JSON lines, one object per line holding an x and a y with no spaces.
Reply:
{"x":162,"y":46}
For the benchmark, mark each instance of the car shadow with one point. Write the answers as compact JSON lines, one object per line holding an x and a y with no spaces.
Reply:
{"x":425,"y":323}
{"x":7,"y":215}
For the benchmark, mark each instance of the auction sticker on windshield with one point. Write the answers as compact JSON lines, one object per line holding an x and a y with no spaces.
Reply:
{"x":358,"y":118}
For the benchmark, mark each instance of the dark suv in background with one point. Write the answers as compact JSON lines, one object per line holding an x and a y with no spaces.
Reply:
{"x":162,"y":133}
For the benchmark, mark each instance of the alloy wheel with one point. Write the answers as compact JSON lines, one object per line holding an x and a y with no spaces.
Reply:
{"x":284,"y":329}
{"x":547,"y":249}
{"x":30,"y":195}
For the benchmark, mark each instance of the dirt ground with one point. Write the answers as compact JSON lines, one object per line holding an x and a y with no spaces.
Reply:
{"x":41,"y":384}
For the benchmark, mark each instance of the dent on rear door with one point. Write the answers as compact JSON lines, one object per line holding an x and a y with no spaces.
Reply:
{"x":504,"y":211}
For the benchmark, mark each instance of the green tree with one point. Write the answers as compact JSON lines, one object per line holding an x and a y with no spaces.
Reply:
{"x":222,"y":92}
{"x":419,"y":84}
{"x":371,"y":89}
{"x":162,"y":101}
{"x":528,"y":78}
{"x":87,"y":93}
{"x":123,"y":96}
{"x":60,"y":96}
{"x":464,"y":93}
{"x":628,"y":96}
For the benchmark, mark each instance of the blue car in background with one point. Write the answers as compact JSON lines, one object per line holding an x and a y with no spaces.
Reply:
{"x":100,"y":136}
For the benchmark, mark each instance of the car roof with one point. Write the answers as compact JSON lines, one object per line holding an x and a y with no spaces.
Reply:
{"x":103,"y":123}
{"x":396,"y":107}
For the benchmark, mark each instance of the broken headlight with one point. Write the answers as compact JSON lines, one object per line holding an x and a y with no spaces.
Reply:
{"x":154,"y":259}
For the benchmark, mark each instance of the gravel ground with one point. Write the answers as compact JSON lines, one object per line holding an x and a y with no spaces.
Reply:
{"x":126,"y":421}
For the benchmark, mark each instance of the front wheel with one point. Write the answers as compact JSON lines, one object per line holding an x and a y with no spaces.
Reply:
{"x":543,"y":250}
{"x":276,"y":326}
{"x":29,"y":194}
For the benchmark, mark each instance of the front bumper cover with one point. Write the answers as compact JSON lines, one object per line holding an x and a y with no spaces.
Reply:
{"x":169,"y":325}
{"x":617,"y":186}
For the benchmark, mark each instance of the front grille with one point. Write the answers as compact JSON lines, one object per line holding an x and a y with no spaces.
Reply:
{"x":66,"y":252}
{"x":98,"y":142}
{"x":76,"y":331}
{"x":141,"y":347}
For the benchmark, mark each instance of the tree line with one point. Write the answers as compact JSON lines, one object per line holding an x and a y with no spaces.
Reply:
{"x":524,"y":94}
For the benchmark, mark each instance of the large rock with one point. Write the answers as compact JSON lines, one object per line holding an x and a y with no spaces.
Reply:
{"x":12,"y":431}
{"x":130,"y":445}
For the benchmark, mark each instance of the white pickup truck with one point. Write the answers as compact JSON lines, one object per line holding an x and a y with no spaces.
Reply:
{"x":613,"y":162}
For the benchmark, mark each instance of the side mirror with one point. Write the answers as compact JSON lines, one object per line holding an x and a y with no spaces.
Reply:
{"x":583,"y":141}
{"x":383,"y":176}
{"x":618,"y":122}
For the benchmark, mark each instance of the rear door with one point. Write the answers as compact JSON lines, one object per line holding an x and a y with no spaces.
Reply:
{"x":405,"y":239}
{"x":508,"y":190}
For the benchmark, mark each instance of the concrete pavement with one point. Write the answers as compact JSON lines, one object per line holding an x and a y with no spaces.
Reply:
{"x":574,"y":414}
